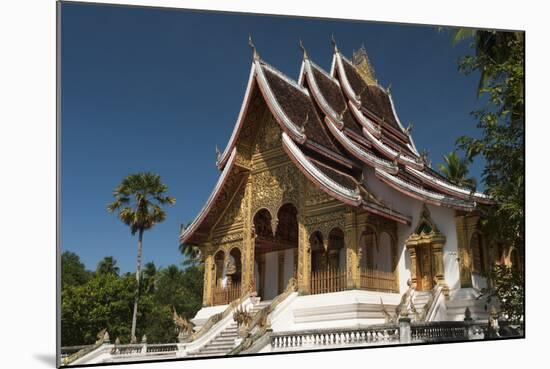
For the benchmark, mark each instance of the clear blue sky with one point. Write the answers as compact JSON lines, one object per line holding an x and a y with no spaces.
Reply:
{"x":156,"y":90}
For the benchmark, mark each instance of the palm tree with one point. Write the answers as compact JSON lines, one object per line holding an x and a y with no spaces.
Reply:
{"x":107,"y":265}
{"x":456,"y":170}
{"x":139,"y":199}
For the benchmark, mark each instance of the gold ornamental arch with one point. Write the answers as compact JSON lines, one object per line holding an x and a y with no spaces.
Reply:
{"x":425,"y":247}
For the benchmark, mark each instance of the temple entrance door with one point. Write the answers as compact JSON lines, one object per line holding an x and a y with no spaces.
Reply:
{"x":424,"y":275}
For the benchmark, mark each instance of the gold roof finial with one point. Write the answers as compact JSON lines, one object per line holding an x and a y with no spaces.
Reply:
{"x":302,"y":47}
{"x":255,"y":54}
{"x":363,"y":65}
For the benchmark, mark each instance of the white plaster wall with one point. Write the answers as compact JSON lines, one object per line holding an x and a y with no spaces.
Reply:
{"x":334,"y":310}
{"x":442,"y":216}
{"x":205,"y":313}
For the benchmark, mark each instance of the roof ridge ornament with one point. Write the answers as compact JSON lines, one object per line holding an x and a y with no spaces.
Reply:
{"x":409,"y":129}
{"x":302,"y":47}
{"x":302,"y":128}
{"x":397,"y":157}
{"x":424,"y":156}
{"x":218,"y":154}
{"x":361,"y":61}
{"x":255,"y":54}
{"x":334,"y":45}
{"x":341,"y":114}
{"x":388,"y":89}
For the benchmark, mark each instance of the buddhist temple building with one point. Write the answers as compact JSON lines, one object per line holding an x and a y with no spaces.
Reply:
{"x":321,"y":182}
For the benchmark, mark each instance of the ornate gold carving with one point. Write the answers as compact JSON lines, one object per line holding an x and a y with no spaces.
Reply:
{"x":275,"y":187}
{"x":222,"y":241}
{"x":208,"y":276}
{"x":427,"y":242}
{"x":324,"y":223}
{"x":316,"y":196}
{"x":242,"y":158}
{"x":352,"y":260}
{"x":268,"y":136}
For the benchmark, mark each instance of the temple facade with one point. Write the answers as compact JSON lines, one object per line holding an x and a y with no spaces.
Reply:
{"x":321,"y":182}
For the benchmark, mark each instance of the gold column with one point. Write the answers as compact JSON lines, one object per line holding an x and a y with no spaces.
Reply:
{"x":295,"y":262}
{"x":437,"y":252}
{"x":207,"y":298}
{"x":412,"y":253}
{"x":464,"y":255}
{"x":352,"y":261}
{"x":304,"y":248}
{"x":248,"y":284}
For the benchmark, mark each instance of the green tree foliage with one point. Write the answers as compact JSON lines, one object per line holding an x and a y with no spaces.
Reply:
{"x":456,"y":170}
{"x":73,"y":271}
{"x":508,"y":290}
{"x":106,"y":300}
{"x":139,"y":200}
{"x":107,"y":265}
{"x":499,"y":58}
{"x":149,"y":277}
{"x":176,"y":288}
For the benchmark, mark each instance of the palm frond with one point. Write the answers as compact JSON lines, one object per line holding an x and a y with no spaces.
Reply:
{"x":139,"y":199}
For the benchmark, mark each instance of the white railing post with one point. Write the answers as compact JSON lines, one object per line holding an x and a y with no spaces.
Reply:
{"x":404,"y":330}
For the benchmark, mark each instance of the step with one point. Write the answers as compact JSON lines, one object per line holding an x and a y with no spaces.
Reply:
{"x":227,"y":336}
{"x":209,"y":354}
{"x":220,"y":344}
{"x":225,"y":339}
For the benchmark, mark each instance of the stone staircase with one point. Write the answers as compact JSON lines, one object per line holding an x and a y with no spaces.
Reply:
{"x":420,"y":300}
{"x":225,"y":340}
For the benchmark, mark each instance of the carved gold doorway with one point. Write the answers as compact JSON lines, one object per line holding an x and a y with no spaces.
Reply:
{"x":425,"y":246}
{"x":424,"y":269}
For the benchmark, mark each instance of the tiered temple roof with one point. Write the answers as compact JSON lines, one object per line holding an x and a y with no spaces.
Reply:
{"x":333,"y":125}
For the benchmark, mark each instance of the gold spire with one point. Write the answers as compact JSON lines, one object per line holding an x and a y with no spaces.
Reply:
{"x":364,"y":67}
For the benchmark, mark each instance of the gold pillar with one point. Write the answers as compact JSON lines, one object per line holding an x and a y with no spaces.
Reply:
{"x":412,"y":254}
{"x":304,"y":248}
{"x":295,"y":262}
{"x":248,"y":284}
{"x":352,"y":261}
{"x":207,"y":297}
{"x":465,"y":226}
{"x":437,"y":252}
